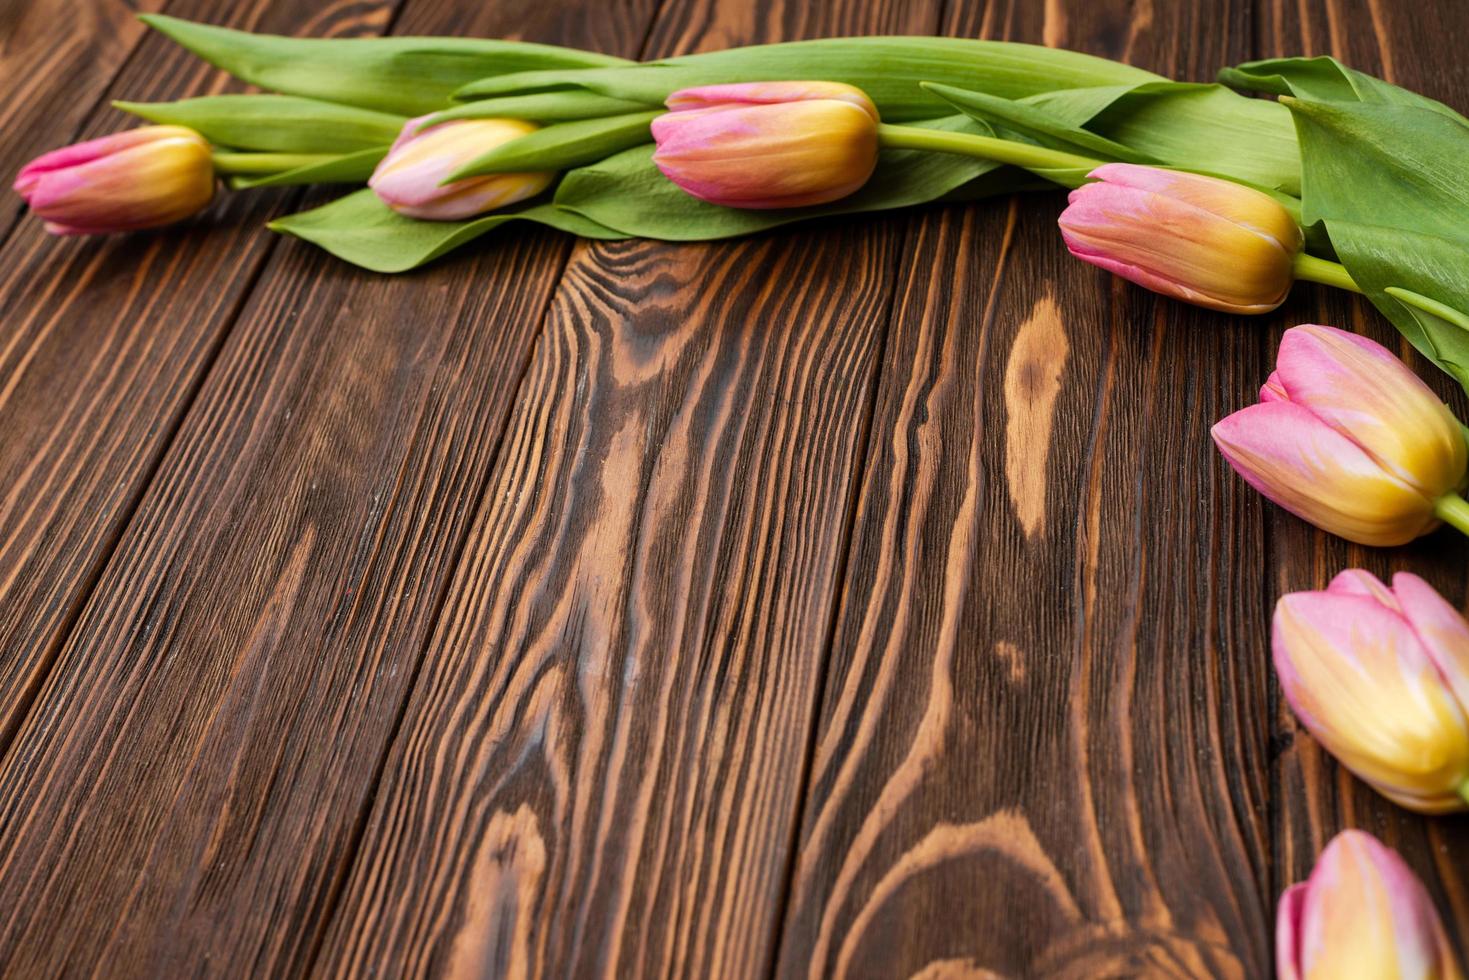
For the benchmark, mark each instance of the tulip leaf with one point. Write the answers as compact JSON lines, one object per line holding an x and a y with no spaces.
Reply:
{"x":888,"y":69}
{"x":1034,"y":124}
{"x":1324,"y":79}
{"x":349,"y":168}
{"x":407,"y":75}
{"x":364,"y":231}
{"x":563,"y":146}
{"x":281,"y":123}
{"x":545,"y":107}
{"x":628,"y":193}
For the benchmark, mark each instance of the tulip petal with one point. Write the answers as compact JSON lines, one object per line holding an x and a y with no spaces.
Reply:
{"x":1441,"y":629}
{"x":1355,"y":674}
{"x":1288,"y":932}
{"x":1318,"y":474}
{"x":768,"y":93}
{"x":1355,"y":581}
{"x":1224,"y":198}
{"x":1361,"y":390}
{"x":1366,"y":914}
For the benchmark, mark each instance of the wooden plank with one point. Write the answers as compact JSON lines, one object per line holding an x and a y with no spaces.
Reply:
{"x":599,"y":771}
{"x":185,"y":793}
{"x":1415,"y":47}
{"x":1038,"y":752}
{"x":103,"y":342}
{"x":56,"y":60}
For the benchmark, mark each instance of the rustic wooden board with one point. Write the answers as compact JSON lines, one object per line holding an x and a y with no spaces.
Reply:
{"x":223,"y":703}
{"x":1037,"y":753}
{"x":600,"y":771}
{"x":1316,"y":798}
{"x":860,"y":600}
{"x":103,"y":348}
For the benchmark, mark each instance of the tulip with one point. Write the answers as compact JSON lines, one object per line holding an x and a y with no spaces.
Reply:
{"x":767,"y":145}
{"x":142,"y":178}
{"x":410,"y":179}
{"x":1362,"y":913}
{"x":1206,"y":241}
{"x":1380,"y":676}
{"x":1346,"y":437}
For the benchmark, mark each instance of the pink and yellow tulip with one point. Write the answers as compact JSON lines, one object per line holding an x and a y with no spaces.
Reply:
{"x":410,"y":179}
{"x":1206,"y":241}
{"x":1362,"y":913}
{"x":1380,"y":676}
{"x":142,"y":178}
{"x":1346,"y":437}
{"x":767,"y":145}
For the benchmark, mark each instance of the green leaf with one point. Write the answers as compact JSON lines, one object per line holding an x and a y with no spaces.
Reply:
{"x":349,"y":168}
{"x":407,"y":75}
{"x":281,"y":123}
{"x":1035,"y":124}
{"x":1324,"y":79}
{"x":889,"y":69}
{"x":628,"y":193}
{"x":563,"y":146}
{"x":363,"y":230}
{"x":545,"y":107}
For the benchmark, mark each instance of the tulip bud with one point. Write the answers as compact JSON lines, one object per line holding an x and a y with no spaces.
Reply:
{"x":1381,"y":678}
{"x":142,"y":178}
{"x":410,"y":179}
{"x":1206,"y":241}
{"x":1346,"y":437}
{"x":768,"y":145}
{"x":1362,"y":913}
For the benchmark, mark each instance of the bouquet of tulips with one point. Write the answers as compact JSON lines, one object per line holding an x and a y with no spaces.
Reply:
{"x":1196,"y":191}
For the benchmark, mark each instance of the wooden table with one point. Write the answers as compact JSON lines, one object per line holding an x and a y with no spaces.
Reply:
{"x":859,"y":600}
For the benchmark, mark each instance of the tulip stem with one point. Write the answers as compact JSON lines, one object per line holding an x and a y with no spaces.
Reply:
{"x":1453,"y":509}
{"x":1326,"y":272}
{"x":256,"y":164}
{"x":1026,"y":155}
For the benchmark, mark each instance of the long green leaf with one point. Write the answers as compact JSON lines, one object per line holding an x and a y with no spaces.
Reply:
{"x":362,"y":230}
{"x":543,"y":107}
{"x":407,"y":75}
{"x":281,"y":123}
{"x":889,"y":69}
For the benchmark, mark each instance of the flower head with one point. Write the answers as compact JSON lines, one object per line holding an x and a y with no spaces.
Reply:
{"x":1362,"y":913}
{"x":768,"y":144}
{"x":142,"y":178}
{"x":1206,"y":241}
{"x":410,"y":179}
{"x":1380,"y":676}
{"x":1346,"y":437}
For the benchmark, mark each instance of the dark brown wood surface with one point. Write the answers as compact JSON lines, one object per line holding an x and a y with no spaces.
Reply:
{"x":863,"y":599}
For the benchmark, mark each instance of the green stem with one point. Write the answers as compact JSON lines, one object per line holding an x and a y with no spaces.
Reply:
{"x":255,"y":164}
{"x":1312,"y":269}
{"x":1024,"y":155}
{"x":1453,"y":509}
{"x":1464,"y":791}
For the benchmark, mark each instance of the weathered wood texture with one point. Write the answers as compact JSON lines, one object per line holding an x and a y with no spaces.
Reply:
{"x":600,"y":771}
{"x":1034,"y":711}
{"x":256,"y":632}
{"x":1416,"y":46}
{"x":855,"y":600}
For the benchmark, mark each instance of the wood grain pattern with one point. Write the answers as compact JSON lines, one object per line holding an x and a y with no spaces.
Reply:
{"x":627,"y":668}
{"x":224,"y":701}
{"x":1037,"y":754}
{"x":860,"y":600}
{"x":1316,"y":797}
{"x":103,"y":343}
